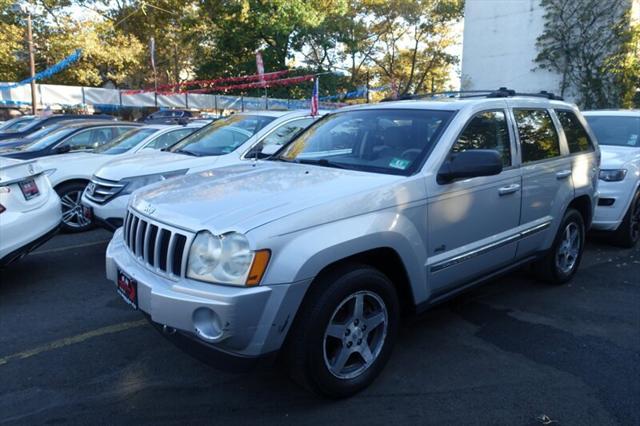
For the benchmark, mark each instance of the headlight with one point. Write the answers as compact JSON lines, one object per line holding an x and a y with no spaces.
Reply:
{"x":226,"y":259}
{"x":137,"y":182}
{"x":613,"y":175}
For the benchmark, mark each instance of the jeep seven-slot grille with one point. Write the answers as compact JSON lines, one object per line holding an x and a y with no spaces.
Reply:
{"x":102,"y":190}
{"x":162,"y":249}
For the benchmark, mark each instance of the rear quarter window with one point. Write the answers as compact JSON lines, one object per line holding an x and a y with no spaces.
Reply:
{"x":577,"y":137}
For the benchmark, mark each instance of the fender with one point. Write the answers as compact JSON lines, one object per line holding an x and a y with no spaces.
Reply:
{"x":305,"y":255}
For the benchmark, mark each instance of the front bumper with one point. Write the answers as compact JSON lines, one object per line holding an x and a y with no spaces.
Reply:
{"x":110,"y":214}
{"x":238,"y":321}
{"x":609,"y":217}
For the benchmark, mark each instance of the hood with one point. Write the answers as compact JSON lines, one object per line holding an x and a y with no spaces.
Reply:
{"x":148,"y":163}
{"x":246,"y":196}
{"x":615,"y":157}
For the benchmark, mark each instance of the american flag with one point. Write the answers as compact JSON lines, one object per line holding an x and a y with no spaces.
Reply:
{"x":314,"y":97}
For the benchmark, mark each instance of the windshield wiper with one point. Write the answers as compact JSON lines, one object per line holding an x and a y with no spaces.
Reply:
{"x":322,"y":162}
{"x":184,"y":151}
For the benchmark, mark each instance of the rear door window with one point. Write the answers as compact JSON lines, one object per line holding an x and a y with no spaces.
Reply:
{"x":577,"y":137}
{"x":538,"y":136}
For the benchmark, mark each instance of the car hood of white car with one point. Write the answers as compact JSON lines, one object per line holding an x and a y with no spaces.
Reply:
{"x":614,"y":157}
{"x":149,"y":163}
{"x":245,"y":196}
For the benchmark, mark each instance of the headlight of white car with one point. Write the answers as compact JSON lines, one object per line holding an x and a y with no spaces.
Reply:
{"x":613,"y":175}
{"x":137,"y":182}
{"x":226,"y":259}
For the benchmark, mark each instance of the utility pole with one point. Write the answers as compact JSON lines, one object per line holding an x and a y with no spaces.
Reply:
{"x":32,"y":65}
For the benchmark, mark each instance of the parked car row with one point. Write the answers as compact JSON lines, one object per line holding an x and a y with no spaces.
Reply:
{"x":279,"y":234}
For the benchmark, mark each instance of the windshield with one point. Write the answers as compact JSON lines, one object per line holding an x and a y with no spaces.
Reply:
{"x":222,"y":136}
{"x":616,"y":130}
{"x":125,"y":141}
{"x":49,"y":139}
{"x":16,"y":124}
{"x":390,"y":141}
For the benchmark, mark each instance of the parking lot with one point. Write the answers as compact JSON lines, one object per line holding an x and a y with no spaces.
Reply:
{"x":512,"y":352}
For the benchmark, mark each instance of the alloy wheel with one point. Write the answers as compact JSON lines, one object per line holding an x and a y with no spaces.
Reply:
{"x":355,"y":334}
{"x":72,"y":214}
{"x":569,"y":248}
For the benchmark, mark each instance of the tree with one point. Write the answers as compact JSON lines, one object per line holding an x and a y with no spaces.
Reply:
{"x":107,"y":54}
{"x":589,"y":43}
{"x":411,"y":53}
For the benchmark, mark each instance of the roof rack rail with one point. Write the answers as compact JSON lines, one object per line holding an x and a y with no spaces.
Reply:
{"x":502,"y":92}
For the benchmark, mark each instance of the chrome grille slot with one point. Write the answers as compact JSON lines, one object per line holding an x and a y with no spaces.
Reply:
{"x":159,"y":247}
{"x":103,"y":190}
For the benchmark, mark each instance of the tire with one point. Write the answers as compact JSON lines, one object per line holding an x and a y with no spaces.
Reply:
{"x":628,"y":233}
{"x":562,"y":260}
{"x":328,"y":333}
{"x":72,"y":218}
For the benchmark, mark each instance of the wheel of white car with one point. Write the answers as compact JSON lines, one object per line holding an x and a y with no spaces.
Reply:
{"x":563,"y":259}
{"x":628,"y":233}
{"x":344,"y":332}
{"x":73,"y":218}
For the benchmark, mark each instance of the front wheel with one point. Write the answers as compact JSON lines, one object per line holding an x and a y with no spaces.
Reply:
{"x":73,"y":218}
{"x":628,"y":233}
{"x":345,"y":332}
{"x":563,"y":258}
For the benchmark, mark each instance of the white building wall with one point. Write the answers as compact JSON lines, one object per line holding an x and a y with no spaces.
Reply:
{"x":499,"y":46}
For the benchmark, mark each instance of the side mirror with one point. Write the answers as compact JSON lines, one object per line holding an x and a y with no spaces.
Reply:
{"x":469,"y":164}
{"x":62,"y":149}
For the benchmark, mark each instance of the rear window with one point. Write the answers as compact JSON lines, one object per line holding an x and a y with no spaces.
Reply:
{"x":577,"y":137}
{"x":616,"y":130}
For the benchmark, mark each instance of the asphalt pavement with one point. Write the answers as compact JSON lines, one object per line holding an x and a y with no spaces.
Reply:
{"x":512,"y":352}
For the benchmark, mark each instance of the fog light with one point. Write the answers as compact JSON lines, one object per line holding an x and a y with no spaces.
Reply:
{"x":207,"y":324}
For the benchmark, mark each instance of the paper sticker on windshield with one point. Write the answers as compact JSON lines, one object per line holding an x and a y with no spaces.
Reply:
{"x":632,"y":140}
{"x":399,"y":163}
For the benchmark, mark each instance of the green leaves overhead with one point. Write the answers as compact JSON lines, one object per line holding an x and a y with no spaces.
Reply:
{"x":371,"y":41}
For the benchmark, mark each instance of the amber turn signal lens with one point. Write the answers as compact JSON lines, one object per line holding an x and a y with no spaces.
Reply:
{"x":259,"y":266}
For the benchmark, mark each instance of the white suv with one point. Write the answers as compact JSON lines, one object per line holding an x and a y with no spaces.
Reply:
{"x":29,"y":209}
{"x":224,"y":142}
{"x":618,"y":210}
{"x":70,"y":173}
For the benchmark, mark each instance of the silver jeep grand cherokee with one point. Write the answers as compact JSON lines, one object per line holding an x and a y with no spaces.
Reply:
{"x":373,"y":212}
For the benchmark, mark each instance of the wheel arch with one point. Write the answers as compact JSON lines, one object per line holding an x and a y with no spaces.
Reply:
{"x":71,"y":181}
{"x":584,"y":206}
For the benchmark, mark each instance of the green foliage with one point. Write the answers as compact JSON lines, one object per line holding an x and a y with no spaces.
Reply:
{"x":592,"y":45}
{"x":107,"y":54}
{"x":367,"y":41}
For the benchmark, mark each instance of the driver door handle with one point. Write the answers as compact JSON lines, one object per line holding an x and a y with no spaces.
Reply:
{"x":509,"y":189}
{"x":563,"y":174}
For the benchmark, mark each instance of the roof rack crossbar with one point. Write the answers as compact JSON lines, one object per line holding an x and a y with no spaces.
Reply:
{"x":502,"y":92}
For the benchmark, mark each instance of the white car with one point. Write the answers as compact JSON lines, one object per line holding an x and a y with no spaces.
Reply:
{"x":618,"y":210}
{"x":224,"y":142}
{"x":70,"y":173}
{"x":29,"y":209}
